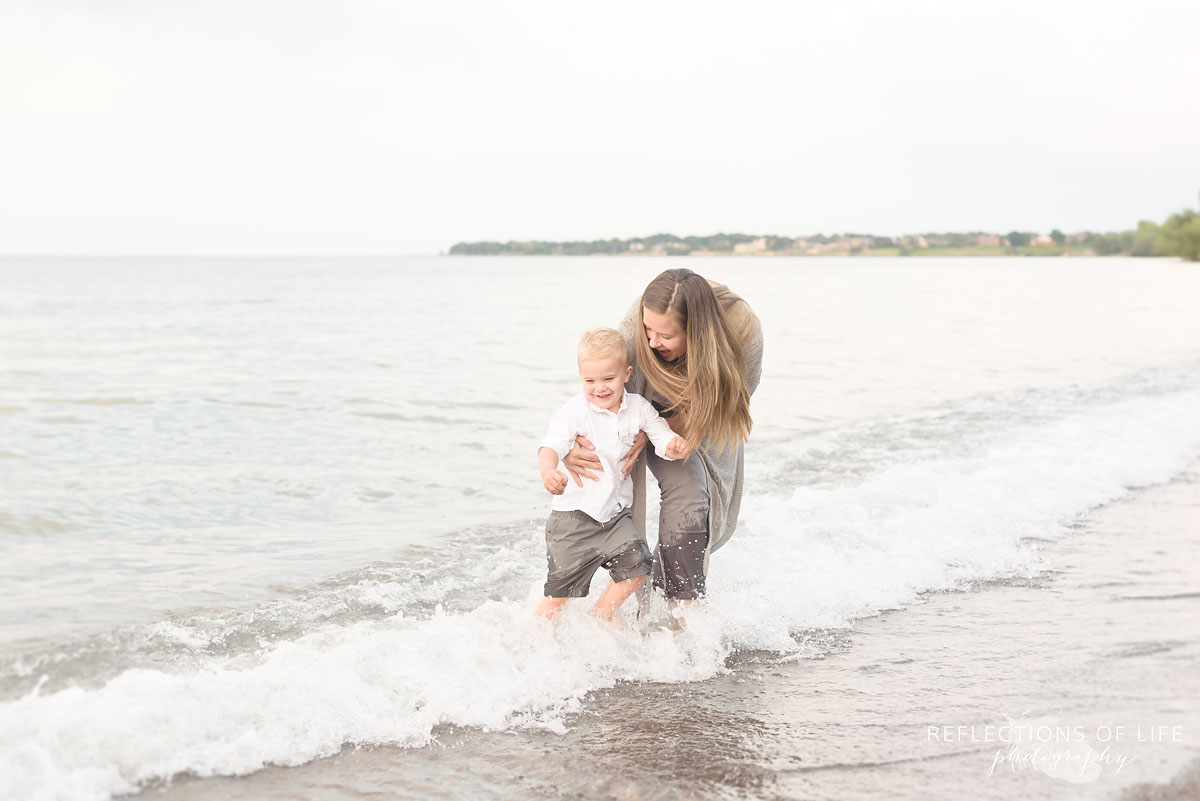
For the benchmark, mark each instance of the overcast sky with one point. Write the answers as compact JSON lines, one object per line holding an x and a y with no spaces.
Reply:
{"x":374,"y":127}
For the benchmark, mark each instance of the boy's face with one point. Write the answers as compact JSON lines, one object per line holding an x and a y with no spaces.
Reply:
{"x":604,"y":381}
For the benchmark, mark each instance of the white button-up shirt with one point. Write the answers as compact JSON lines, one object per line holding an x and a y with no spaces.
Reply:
{"x":613,"y":436}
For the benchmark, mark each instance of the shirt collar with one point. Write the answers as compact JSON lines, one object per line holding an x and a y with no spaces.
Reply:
{"x":621,"y":408}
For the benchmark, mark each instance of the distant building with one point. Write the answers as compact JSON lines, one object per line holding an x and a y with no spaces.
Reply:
{"x":815,"y":245}
{"x":637,"y":246}
{"x":754,"y":246}
{"x":988,"y":241}
{"x":1042,"y":240}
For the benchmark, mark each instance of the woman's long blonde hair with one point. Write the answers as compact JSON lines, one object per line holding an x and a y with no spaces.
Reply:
{"x":707,"y":385}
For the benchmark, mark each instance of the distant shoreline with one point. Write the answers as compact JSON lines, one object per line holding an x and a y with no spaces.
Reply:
{"x":873,"y":253}
{"x":1142,"y":242}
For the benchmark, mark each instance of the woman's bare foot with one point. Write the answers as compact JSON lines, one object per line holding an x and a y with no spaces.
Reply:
{"x":678,"y":624}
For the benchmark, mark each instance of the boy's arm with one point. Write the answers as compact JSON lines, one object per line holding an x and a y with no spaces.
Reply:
{"x":560,"y":434}
{"x":552,"y":478}
{"x":660,"y":433}
{"x":560,"y":437}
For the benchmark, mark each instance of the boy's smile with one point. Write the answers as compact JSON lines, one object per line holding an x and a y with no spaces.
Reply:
{"x":604,"y":381}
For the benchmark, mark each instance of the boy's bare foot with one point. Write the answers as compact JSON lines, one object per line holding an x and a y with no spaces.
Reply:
{"x":549,"y":608}
{"x":613,"y":618}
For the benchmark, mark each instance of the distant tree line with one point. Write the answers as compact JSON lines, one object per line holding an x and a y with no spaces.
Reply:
{"x":681,"y":245}
{"x":1178,"y":236}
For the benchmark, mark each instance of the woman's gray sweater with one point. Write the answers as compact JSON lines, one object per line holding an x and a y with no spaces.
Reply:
{"x":724,"y":470}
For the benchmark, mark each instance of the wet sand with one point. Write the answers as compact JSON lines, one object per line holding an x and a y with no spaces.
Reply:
{"x":1110,"y":637}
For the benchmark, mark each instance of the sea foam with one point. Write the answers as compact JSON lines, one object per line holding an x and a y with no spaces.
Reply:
{"x":809,"y":557}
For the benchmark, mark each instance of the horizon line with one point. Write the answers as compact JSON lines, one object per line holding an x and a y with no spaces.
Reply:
{"x":163,"y":255}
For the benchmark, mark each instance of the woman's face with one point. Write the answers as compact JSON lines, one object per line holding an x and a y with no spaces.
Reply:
{"x":665,"y":337}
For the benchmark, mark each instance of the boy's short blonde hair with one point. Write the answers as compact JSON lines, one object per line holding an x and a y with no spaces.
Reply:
{"x":603,"y":343}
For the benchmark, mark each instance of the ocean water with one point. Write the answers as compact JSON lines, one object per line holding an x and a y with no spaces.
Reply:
{"x":255,"y":512}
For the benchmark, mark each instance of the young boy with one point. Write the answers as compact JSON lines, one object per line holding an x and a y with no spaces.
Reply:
{"x":591,"y":526}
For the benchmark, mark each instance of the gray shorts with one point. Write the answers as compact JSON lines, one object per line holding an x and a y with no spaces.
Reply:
{"x":576,"y":546}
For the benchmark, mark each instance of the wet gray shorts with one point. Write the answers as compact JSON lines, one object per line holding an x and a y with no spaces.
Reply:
{"x":576,"y":546}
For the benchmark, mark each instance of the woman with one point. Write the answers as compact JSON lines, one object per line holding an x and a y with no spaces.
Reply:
{"x":697,"y":354}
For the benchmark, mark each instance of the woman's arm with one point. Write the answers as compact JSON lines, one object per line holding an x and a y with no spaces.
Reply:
{"x":631,"y":327}
{"x":631,"y":456}
{"x":581,"y":460}
{"x":754,"y":354}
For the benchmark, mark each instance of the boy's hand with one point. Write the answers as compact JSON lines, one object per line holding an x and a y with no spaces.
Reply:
{"x":678,"y":448}
{"x":554,"y":482}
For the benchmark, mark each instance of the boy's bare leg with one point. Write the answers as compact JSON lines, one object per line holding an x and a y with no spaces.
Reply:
{"x":614,"y":595}
{"x":549,"y":607}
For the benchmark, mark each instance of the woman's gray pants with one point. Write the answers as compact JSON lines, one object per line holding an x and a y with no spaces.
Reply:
{"x":682,"y":526}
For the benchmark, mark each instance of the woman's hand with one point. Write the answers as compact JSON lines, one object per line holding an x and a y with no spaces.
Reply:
{"x":630,"y":458}
{"x":581,"y":459}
